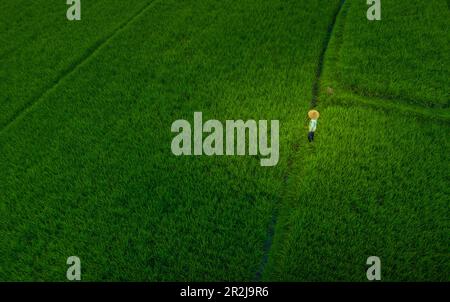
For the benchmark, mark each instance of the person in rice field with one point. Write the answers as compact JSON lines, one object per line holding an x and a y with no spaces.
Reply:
{"x":314,"y":116}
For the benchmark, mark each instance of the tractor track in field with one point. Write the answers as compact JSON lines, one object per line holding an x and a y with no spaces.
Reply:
{"x":315,"y":96}
{"x":90,"y":52}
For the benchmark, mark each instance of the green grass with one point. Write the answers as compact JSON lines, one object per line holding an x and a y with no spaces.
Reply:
{"x":374,"y":183}
{"x":89,"y":172}
{"x":403,"y":57}
{"x":38,"y":46}
{"x":86,"y":168}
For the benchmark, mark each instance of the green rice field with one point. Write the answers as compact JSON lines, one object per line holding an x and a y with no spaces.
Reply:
{"x":86,"y":166}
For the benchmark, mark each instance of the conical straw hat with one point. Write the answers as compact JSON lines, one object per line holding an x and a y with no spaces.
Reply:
{"x":313,"y":114}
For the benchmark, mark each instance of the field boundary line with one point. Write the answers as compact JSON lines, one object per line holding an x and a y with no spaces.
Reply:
{"x":320,"y":66}
{"x":89,"y":53}
{"x":355,"y":99}
{"x":343,"y":94}
{"x":273,"y":221}
{"x":295,"y":147}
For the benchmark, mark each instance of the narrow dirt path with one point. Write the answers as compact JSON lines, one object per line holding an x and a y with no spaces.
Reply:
{"x":326,"y":42}
{"x":296,"y":146}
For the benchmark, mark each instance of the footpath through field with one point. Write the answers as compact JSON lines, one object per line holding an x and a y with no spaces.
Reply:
{"x":374,"y":182}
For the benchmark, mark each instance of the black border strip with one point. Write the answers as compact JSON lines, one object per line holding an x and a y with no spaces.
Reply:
{"x":172,"y":290}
